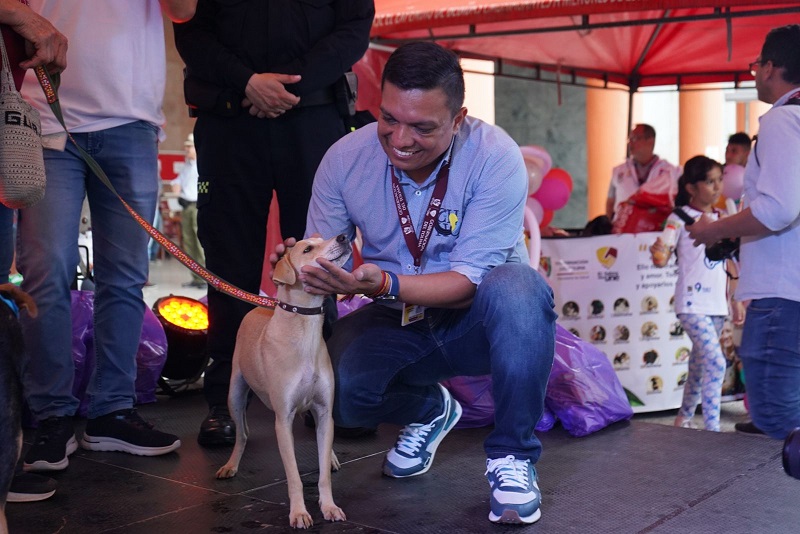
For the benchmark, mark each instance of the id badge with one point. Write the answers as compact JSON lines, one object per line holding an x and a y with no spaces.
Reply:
{"x":412,"y":313}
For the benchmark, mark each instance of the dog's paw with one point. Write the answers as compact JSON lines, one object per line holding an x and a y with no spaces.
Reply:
{"x":227,"y":471}
{"x":333,"y":513}
{"x":300,"y":519}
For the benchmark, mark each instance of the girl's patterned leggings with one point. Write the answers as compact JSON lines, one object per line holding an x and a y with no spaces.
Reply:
{"x":706,"y":367}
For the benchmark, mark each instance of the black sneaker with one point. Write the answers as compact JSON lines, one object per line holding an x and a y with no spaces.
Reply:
{"x":126,"y":431}
{"x":53,"y":442}
{"x":30,"y":487}
{"x":749,"y":429}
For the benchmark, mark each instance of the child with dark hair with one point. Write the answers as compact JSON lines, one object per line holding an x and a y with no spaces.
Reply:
{"x":738,"y":149}
{"x":700,"y":291}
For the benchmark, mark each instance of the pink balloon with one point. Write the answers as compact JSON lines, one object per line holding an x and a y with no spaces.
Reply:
{"x":560,"y":174}
{"x":538,"y":153}
{"x":733,"y":181}
{"x":553,"y":194}
{"x":537,"y":163}
{"x":536,"y":208}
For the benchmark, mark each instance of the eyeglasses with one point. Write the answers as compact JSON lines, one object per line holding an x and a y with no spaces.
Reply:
{"x":635,"y":138}
{"x":752,"y":66}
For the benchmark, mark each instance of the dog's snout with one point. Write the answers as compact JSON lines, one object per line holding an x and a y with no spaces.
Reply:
{"x":341,"y":238}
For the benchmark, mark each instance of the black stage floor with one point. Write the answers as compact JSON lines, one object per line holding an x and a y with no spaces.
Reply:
{"x":631,"y":477}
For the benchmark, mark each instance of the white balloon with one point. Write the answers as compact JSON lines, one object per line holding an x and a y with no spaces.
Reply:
{"x":531,"y":224}
{"x":538,"y":163}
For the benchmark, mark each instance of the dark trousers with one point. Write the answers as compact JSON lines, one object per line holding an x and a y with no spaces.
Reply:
{"x":241,"y":160}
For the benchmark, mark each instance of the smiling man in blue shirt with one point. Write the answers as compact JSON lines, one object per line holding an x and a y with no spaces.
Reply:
{"x":438,"y":197}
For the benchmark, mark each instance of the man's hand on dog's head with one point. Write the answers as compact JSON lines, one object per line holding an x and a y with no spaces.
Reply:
{"x":329,"y":278}
{"x":280,"y":250}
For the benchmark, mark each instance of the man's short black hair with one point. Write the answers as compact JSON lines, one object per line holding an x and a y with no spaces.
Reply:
{"x":741,"y":139}
{"x":426,"y":65}
{"x":782,"y":47}
{"x":649,"y":131}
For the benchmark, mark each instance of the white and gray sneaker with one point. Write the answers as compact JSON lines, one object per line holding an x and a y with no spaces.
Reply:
{"x":515,"y":495}
{"x":416,"y":446}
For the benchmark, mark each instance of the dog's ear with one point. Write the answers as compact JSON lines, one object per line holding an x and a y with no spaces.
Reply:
{"x":284,"y":272}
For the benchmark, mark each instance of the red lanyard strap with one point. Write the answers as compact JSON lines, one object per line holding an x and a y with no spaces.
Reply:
{"x":416,"y":246}
{"x":50,"y":87}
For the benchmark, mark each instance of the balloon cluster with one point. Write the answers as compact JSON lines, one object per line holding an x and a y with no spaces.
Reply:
{"x":548,"y":188}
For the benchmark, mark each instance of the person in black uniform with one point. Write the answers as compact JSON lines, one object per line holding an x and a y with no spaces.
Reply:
{"x":262,"y":79}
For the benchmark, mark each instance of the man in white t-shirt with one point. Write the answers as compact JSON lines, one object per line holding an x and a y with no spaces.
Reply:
{"x":111,"y":98}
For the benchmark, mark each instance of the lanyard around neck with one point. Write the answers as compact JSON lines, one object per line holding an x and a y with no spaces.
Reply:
{"x":416,"y":246}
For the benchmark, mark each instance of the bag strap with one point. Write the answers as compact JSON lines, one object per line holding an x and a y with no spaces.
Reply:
{"x":49,"y":85}
{"x":6,"y":77}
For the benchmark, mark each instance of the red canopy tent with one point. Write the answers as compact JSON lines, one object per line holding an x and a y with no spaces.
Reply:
{"x":635,"y":43}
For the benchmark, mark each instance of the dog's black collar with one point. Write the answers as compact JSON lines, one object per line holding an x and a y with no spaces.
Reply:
{"x":319,"y":310}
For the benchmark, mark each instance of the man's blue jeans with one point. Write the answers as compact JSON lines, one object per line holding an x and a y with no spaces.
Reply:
{"x":48,"y":258}
{"x":387,"y":373}
{"x":770,"y":353}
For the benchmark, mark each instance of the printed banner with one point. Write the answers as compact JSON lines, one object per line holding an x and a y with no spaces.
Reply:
{"x":608,"y":292}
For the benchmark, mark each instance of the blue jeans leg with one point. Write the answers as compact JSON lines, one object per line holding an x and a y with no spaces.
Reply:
{"x":48,"y":259}
{"x":388,"y":373}
{"x":770,"y":353}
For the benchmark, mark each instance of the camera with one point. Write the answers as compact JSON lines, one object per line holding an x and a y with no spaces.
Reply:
{"x":791,"y":454}
{"x":725,"y":249}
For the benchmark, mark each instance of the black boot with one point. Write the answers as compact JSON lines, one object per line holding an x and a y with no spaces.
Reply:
{"x":218,"y":429}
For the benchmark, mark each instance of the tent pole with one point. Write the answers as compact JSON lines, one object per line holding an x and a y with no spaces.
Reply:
{"x":632,"y":89}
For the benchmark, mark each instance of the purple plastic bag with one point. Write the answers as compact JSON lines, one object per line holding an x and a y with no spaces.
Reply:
{"x":350,"y":305}
{"x":584,"y":391}
{"x":82,"y":345}
{"x":474,"y":394}
{"x":547,"y":421}
{"x":150,"y":358}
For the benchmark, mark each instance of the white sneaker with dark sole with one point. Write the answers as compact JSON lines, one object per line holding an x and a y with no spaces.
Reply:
{"x":416,"y":446}
{"x":515,"y":497}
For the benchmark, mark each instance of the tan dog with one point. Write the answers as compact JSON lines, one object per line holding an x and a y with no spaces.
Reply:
{"x":282,"y":357}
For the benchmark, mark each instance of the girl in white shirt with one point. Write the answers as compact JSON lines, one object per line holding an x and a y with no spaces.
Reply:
{"x":700,"y":291}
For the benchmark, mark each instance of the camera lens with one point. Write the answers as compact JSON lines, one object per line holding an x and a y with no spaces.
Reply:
{"x":791,"y":454}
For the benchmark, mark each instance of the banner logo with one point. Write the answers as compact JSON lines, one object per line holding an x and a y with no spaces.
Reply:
{"x":607,"y":256}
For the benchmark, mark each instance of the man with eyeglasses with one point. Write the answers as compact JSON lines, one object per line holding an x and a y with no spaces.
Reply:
{"x":642,"y":166}
{"x":769,"y":226}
